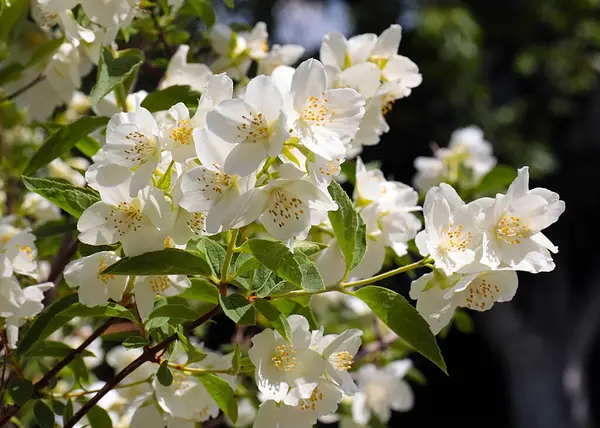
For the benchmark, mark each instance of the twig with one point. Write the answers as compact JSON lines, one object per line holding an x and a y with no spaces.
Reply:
{"x":149,"y":354}
{"x":24,"y":88}
{"x":13,"y":410}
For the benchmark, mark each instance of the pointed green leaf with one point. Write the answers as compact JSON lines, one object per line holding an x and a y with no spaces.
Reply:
{"x":236,"y":307}
{"x":44,"y":416}
{"x":72,"y":199}
{"x":216,"y":255}
{"x":115,"y":70}
{"x":201,"y":289}
{"x":164,"y":99}
{"x":276,"y":318}
{"x":164,"y":375}
{"x":170,"y":261}
{"x":172,"y":310}
{"x":99,"y":418}
{"x":133,"y":342}
{"x":222,"y":393}
{"x":20,"y":390}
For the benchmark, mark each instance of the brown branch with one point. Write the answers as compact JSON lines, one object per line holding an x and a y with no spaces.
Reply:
{"x":24,"y":88}
{"x":44,"y":381}
{"x":149,"y":354}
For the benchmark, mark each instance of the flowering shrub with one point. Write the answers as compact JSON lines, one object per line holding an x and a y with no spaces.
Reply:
{"x":147,"y":215}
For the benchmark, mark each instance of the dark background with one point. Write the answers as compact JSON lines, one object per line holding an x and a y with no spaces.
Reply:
{"x":525,"y":71}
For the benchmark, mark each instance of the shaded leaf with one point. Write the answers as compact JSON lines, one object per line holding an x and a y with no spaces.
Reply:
{"x":72,"y":199}
{"x":164,"y":99}
{"x":174,"y":311}
{"x":113,"y":71}
{"x":201,"y":289}
{"x":238,"y":309}
{"x":44,"y":416}
{"x":164,"y":375}
{"x":222,"y":393}
{"x":276,"y":318}
{"x":170,"y":261}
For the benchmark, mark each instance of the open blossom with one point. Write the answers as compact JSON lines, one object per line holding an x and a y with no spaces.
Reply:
{"x":18,"y":246}
{"x":256,"y":125}
{"x":181,"y":72}
{"x":147,"y":288}
{"x":513,"y":224}
{"x":279,"y":55}
{"x":323,"y":119}
{"x":286,"y":371}
{"x":140,"y":223}
{"x":381,"y":390}
{"x":150,"y":417}
{"x":95,"y":287}
{"x":452,"y":235}
{"x":237,"y":50}
{"x":132,"y":142}
{"x":107,"y":13}
{"x":438,"y":295}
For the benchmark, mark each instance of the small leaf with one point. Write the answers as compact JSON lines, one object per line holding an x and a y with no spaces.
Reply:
{"x":200,"y":8}
{"x":133,"y":342}
{"x":164,"y":99}
{"x":222,"y":393}
{"x":44,"y":416}
{"x":164,"y":375}
{"x":20,"y":390}
{"x":115,"y":70}
{"x":99,"y":418}
{"x":404,"y":320}
{"x":68,"y":410}
{"x":496,"y":181}
{"x":276,"y":318}
{"x":236,"y":307}
{"x":245,"y":263}
{"x":88,"y":145}
{"x":62,"y":140}
{"x":12,"y":12}
{"x":193,"y":354}
{"x":236,"y":361}
{"x":172,"y":310}
{"x":229,"y":3}
{"x":308,"y":248}
{"x":108,"y":311}
{"x":72,"y":199}
{"x":201,"y":289}
{"x":346,"y":224}
{"x":311,"y":278}
{"x":170,"y":261}
{"x":216,"y":255}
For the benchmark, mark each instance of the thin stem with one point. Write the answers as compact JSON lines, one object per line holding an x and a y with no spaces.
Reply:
{"x":93,"y":391}
{"x":44,"y":381}
{"x":149,"y":354}
{"x":121,"y":97}
{"x":24,"y":88}
{"x":183,"y":368}
{"x":228,"y":256}
{"x":388,"y":274}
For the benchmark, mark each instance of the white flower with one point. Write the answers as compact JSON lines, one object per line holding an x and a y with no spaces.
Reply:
{"x":339,"y":351}
{"x":140,"y":223}
{"x":17,"y":304}
{"x":150,"y":417}
{"x":323,"y":119}
{"x":107,"y":106}
{"x":338,"y":52}
{"x":284,"y":206}
{"x":279,"y":55}
{"x":186,"y":398}
{"x":19,"y":248}
{"x":257,"y":125}
{"x":513,"y":223}
{"x":286,"y":371}
{"x":322,"y":401}
{"x":120,"y":357}
{"x":95,"y":288}
{"x":146,"y":288}
{"x":438,"y":295}
{"x":176,"y":133}
{"x":236,"y":50}
{"x":246,"y":413}
{"x":380,"y":391}
{"x":452,"y":235}
{"x":180,"y":72}
{"x":107,"y":13}
{"x":132,"y":142}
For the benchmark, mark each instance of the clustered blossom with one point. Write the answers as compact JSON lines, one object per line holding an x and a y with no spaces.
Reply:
{"x":479,"y":246}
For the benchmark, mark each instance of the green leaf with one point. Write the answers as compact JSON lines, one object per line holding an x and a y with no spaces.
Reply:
{"x":44,"y":416}
{"x":99,"y":418}
{"x":68,"y":410}
{"x":236,"y":307}
{"x":113,"y":71}
{"x":133,"y":342}
{"x":12,"y":12}
{"x":54,"y":349}
{"x":404,"y":320}
{"x":245,"y":263}
{"x":172,"y":310}
{"x":463,"y":322}
{"x":497,"y":180}
{"x":201,"y":289}
{"x":276,"y":318}
{"x":109,"y":311}
{"x":236,"y":361}
{"x":264,"y":281}
{"x":49,"y":320}
{"x":45,"y":51}
{"x":164,"y":375}
{"x":10,"y":72}
{"x":193,"y":354}
{"x":308,"y":248}
{"x":222,"y":393}
{"x":347,"y":227}
{"x":170,"y":261}
{"x":62,"y":140}
{"x":229,"y":3}
{"x":54,"y":227}
{"x":216,"y":255}
{"x":88,"y":145}
{"x":164,"y":99}
{"x":20,"y":390}
{"x":311,"y":278}
{"x":200,"y":8}
{"x":72,"y":199}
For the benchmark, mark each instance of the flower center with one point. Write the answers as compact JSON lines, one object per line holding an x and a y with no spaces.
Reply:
{"x":254,"y":128}
{"x":387,"y":103}
{"x":182,"y":133}
{"x":143,"y":147}
{"x":331,"y":168}
{"x":316,"y":111}
{"x":195,"y":222}
{"x":125,"y":217}
{"x":180,"y":381}
{"x":343,"y":360}
{"x":510,"y":230}
{"x":481,"y":294}
{"x":104,"y":277}
{"x":213,"y":183}
{"x":311,"y":402}
{"x":283,"y":207}
{"x":159,"y":283}
{"x":379,"y":61}
{"x":27,"y":250}
{"x":284,"y":357}
{"x":455,"y":239}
